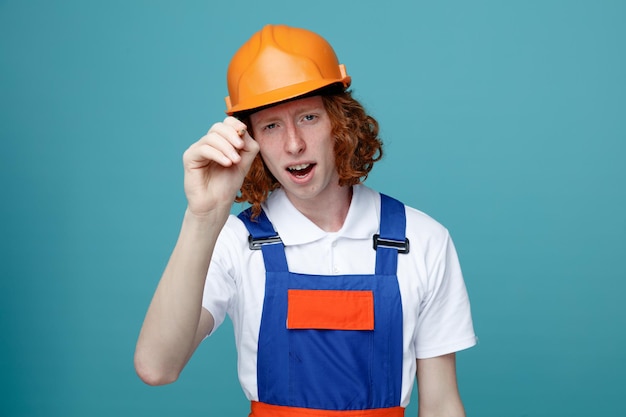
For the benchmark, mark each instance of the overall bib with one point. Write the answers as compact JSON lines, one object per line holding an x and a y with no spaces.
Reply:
{"x":330,"y":345}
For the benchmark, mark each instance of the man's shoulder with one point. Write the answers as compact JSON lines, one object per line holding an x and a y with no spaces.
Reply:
{"x":421,"y":223}
{"x":234,"y":230}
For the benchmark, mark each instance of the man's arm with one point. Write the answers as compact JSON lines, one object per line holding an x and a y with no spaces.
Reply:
{"x":215,"y":167}
{"x":176,"y":322}
{"x":438,"y":392}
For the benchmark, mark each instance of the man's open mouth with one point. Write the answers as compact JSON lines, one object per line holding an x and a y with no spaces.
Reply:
{"x":300,"y":170}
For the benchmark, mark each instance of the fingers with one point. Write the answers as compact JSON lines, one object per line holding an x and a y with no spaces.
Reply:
{"x":222,"y":144}
{"x":249,"y":151}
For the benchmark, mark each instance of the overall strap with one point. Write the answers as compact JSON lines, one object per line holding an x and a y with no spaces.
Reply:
{"x":264,"y":237}
{"x":392,"y":237}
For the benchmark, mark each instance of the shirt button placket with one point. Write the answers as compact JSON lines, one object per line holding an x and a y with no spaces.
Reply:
{"x":333,"y":246}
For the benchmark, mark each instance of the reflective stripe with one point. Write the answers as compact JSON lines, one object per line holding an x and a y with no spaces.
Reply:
{"x":267,"y":410}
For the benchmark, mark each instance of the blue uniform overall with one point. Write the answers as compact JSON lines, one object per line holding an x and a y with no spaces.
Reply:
{"x":330,"y":345}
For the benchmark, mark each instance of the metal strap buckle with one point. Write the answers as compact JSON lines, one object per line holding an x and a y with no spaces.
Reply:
{"x":255,"y":244}
{"x":401,"y":245}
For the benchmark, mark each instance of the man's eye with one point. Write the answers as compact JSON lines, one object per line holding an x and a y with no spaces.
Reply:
{"x":270,"y":126}
{"x":309,"y":117}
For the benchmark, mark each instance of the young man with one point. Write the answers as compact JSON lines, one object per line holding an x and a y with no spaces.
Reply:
{"x":339,"y":296}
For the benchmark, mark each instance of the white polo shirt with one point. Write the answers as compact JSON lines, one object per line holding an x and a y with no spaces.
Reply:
{"x":435,"y":306}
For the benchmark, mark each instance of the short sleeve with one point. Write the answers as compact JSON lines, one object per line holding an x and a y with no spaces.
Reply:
{"x":445,"y":322}
{"x":220,"y":286}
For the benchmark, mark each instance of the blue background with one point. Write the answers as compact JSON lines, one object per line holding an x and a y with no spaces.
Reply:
{"x":504,"y":120}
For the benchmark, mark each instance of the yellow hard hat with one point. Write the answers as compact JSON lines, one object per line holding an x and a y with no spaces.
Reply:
{"x":279,"y":63}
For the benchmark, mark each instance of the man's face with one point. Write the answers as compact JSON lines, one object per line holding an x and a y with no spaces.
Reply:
{"x":297,"y":147}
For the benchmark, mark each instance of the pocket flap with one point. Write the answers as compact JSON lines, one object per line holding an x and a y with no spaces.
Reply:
{"x":330,"y":309}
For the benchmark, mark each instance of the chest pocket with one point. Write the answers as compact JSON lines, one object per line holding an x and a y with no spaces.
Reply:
{"x":330,"y":310}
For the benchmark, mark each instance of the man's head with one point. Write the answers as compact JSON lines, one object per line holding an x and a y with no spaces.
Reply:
{"x":280,"y":64}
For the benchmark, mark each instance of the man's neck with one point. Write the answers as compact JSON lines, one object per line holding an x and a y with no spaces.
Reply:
{"x":328,"y":214}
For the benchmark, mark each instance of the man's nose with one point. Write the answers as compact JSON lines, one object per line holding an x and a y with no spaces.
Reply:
{"x":294,"y":143}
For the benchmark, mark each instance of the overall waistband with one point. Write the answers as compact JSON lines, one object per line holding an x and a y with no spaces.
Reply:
{"x":260,"y":409}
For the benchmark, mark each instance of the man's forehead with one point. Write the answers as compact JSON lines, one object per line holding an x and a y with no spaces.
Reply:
{"x":291,"y":106}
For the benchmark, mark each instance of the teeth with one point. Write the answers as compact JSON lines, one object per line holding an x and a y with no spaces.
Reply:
{"x":297,"y":167}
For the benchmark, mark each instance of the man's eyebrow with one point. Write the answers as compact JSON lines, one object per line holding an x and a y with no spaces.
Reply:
{"x":308,"y":109}
{"x":305,"y":108}
{"x":264,"y":120}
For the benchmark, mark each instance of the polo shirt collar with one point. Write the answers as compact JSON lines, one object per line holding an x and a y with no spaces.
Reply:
{"x":295,"y":229}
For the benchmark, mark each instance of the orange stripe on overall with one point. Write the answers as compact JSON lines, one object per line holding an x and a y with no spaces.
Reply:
{"x":267,"y":410}
{"x":330,"y":309}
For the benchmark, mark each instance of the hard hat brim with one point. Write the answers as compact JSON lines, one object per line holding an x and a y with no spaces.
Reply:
{"x":283,"y":94}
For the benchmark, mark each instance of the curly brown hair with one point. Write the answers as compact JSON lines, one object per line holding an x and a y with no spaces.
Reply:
{"x":357,"y":147}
